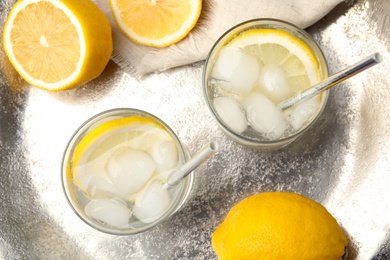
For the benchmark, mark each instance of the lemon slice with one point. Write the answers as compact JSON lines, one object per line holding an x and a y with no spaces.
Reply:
{"x":57,"y":45}
{"x":156,"y":23}
{"x":90,"y":156}
{"x":284,"y":50}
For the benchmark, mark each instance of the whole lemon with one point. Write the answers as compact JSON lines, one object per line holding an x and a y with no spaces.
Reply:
{"x":279,"y":225}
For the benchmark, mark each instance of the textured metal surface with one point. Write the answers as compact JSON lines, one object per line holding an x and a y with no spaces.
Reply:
{"x":342,"y":162}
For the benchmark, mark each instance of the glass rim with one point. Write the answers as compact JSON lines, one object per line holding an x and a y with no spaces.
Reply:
{"x":68,"y":185}
{"x":271,"y":23}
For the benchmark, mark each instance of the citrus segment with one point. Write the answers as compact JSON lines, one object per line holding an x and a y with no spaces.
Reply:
{"x":97,"y":146}
{"x":283,"y":49}
{"x":156,"y":23}
{"x":57,"y":45}
{"x":279,"y":225}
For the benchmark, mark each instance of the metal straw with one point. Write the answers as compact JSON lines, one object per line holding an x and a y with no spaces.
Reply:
{"x":203,"y":154}
{"x":331,"y":81}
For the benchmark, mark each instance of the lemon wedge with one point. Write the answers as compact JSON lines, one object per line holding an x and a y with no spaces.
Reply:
{"x":156,"y":23}
{"x":57,"y":45}
{"x":121,"y":138}
{"x":280,"y":49}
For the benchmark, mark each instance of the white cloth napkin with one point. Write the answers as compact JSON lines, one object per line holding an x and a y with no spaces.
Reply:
{"x":217,"y":17}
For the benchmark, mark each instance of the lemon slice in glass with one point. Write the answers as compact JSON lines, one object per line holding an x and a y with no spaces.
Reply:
{"x":117,"y":157}
{"x":282,"y":56}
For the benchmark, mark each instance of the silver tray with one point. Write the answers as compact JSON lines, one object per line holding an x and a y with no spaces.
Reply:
{"x":343,"y":162}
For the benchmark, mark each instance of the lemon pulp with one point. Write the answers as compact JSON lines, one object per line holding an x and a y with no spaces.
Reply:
{"x":57,"y":45}
{"x":156,"y":23}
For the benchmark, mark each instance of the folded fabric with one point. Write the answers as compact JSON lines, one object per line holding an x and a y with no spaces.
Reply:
{"x":217,"y":17}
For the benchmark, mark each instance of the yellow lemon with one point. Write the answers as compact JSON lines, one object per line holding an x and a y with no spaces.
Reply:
{"x":57,"y":45}
{"x":279,"y":225}
{"x":156,"y":23}
{"x":90,"y":156}
{"x":277,"y":47}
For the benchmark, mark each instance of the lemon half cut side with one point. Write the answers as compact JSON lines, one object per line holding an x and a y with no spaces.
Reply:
{"x":156,"y":23}
{"x":57,"y":45}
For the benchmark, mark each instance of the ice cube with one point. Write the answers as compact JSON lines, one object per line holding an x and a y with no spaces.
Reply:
{"x":274,"y":84}
{"x":302,"y":112}
{"x":237,"y":70}
{"x":129,"y":169}
{"x":230,"y":112}
{"x":99,"y":187}
{"x":264,"y":116}
{"x":109,"y":211}
{"x":165,"y":155}
{"x":152,"y":202}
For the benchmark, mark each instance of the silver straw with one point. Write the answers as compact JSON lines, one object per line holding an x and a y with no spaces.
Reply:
{"x":331,"y":81}
{"x":204,"y":153}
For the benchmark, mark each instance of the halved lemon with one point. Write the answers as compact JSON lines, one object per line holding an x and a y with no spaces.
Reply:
{"x":57,"y":45}
{"x":284,"y":50}
{"x":91,"y":154}
{"x":156,"y":23}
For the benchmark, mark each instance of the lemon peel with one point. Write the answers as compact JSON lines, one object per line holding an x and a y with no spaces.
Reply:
{"x":279,"y":225}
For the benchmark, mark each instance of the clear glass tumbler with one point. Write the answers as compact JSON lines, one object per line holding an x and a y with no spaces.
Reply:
{"x":79,"y":198}
{"x":220,"y":92}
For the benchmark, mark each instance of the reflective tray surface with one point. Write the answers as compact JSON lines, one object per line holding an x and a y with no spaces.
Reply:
{"x":343,"y":161}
